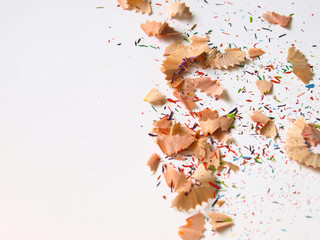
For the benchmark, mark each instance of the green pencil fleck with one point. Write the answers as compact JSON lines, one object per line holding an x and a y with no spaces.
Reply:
{"x":212,"y":168}
{"x":154,"y":109}
{"x":186,"y":39}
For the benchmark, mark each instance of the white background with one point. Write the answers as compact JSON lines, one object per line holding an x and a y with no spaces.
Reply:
{"x":73,"y":139}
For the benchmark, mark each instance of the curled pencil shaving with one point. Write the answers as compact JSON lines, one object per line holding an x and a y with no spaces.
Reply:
{"x":231,"y":58}
{"x":300,"y":65}
{"x":255,"y":52}
{"x":205,"y":152}
{"x":211,"y":126}
{"x":209,"y":86}
{"x":158,"y":29}
{"x":175,"y":179}
{"x":311,"y":134}
{"x":219,"y":221}
{"x":153,"y":162}
{"x":137,"y":5}
{"x":194,"y":227}
{"x":177,"y":140}
{"x":178,"y":10}
{"x":297,"y":147}
{"x":163,"y":123}
{"x":264,"y":86}
{"x":155,"y":97}
{"x":200,"y":192}
{"x":268,"y":129}
{"x":276,"y":18}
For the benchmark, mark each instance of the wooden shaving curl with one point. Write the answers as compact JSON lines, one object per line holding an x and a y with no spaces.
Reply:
{"x":264,"y":86}
{"x":153,"y":162}
{"x":255,"y":52}
{"x":178,"y":10}
{"x":177,"y":140}
{"x":268,"y":129}
{"x":210,"y":87}
{"x":176,"y":180}
{"x":155,"y":97}
{"x":137,"y":5}
{"x":199,"y":193}
{"x":296,"y":146}
{"x":158,"y":29}
{"x":194,"y":227}
{"x":231,"y":58}
{"x":219,"y":221}
{"x":276,"y":18}
{"x":300,"y":65}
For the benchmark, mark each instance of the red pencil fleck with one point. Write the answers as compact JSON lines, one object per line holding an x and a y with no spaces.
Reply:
{"x":172,"y":101}
{"x":214,"y":185}
{"x":274,"y":81}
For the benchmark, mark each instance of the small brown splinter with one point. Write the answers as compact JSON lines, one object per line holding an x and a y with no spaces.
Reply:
{"x":220,"y":203}
{"x":153,"y":162}
{"x":255,"y":52}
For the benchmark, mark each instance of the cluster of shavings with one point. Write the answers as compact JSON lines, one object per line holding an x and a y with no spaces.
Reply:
{"x":201,"y":132}
{"x":195,"y":225}
{"x":180,"y":143}
{"x":180,"y":56}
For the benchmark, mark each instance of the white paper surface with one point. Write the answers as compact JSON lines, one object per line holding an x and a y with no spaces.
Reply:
{"x":74,"y":130}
